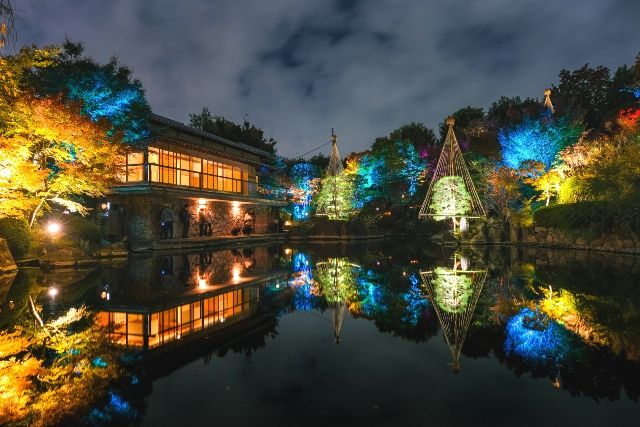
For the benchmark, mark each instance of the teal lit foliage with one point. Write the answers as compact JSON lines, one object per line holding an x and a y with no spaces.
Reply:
{"x":536,"y":338}
{"x":301,"y":175}
{"x":368,"y":178}
{"x":106,"y":91}
{"x":413,"y":167}
{"x":116,"y":410}
{"x":416,"y":302}
{"x":103,"y":96}
{"x":399,"y":166}
{"x":370,"y":294}
{"x":538,"y":140}
{"x":301,"y":281}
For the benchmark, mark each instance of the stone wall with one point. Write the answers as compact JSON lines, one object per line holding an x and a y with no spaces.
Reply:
{"x":138,"y":217}
{"x":7,"y":264}
{"x":550,"y":237}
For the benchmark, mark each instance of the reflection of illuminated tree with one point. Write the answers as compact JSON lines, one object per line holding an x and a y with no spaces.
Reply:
{"x":337,"y":280}
{"x":536,"y":338}
{"x":452,"y":291}
{"x":454,"y":294}
{"x":304,"y":287}
{"x":81,"y":365}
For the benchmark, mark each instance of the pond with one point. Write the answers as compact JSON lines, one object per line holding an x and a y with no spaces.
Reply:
{"x":384,"y":333}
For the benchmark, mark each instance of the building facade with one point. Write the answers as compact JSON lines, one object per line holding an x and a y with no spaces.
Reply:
{"x":187,"y":183}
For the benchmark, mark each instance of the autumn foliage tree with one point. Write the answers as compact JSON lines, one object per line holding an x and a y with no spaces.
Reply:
{"x":51,"y":152}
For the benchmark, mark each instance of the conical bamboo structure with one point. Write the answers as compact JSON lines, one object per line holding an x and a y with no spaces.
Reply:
{"x":455,"y":319}
{"x":547,"y":101}
{"x":451,"y":163}
{"x":331,"y":178}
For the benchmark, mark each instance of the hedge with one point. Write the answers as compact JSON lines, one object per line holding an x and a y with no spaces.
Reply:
{"x":16,"y":232}
{"x":596,"y":216}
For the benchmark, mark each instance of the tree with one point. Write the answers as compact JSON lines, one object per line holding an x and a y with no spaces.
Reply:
{"x":509,"y":111}
{"x":50,"y":151}
{"x":540,"y":140}
{"x":105,"y":92}
{"x":335,"y":198}
{"x":504,"y":189}
{"x":53,"y":154}
{"x":583,"y":93}
{"x":7,"y":30}
{"x":450,"y":199}
{"x":304,"y":183}
{"x":246,"y":132}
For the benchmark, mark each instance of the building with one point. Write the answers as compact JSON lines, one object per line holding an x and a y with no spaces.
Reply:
{"x":186,"y":167}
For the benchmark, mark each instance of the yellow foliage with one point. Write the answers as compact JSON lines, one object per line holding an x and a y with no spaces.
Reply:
{"x":50,"y":151}
{"x":33,"y":394}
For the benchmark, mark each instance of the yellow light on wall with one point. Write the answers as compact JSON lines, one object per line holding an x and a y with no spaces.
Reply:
{"x":202,"y":203}
{"x":287,"y":251}
{"x":202,"y":283}
{"x":235,"y":208}
{"x":235,"y":273}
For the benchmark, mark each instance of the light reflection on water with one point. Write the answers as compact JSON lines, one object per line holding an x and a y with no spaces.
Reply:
{"x":507,"y":322}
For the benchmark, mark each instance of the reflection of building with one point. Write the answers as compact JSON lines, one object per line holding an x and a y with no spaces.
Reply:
{"x":183,"y":165}
{"x":154,"y":300}
{"x":155,"y":327}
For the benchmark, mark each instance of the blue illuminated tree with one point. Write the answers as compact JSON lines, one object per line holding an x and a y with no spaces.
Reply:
{"x":304,"y":177}
{"x":539,"y":140}
{"x":107,"y":92}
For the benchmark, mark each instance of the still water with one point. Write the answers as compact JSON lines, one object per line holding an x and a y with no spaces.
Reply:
{"x":386,"y":333}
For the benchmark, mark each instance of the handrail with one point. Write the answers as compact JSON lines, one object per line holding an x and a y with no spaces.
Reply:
{"x":205,"y":181}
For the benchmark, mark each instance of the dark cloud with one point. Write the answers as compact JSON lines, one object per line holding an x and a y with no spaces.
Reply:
{"x":297,"y":68}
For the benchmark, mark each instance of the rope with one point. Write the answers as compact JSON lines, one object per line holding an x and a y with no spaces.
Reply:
{"x":317,"y":148}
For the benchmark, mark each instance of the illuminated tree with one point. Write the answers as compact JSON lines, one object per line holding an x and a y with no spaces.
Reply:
{"x":450,"y":199}
{"x":305,"y":181}
{"x":105,"y":92}
{"x":539,"y":140}
{"x":6,"y":22}
{"x":548,"y":184}
{"x":335,"y":198}
{"x":52,"y":153}
{"x":503,"y":189}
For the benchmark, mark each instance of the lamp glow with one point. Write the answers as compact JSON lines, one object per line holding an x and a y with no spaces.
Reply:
{"x":52,"y":292}
{"x":53,"y":228}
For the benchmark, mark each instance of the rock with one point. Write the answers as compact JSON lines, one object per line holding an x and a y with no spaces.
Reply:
{"x":113,"y":250}
{"x":7,"y":263}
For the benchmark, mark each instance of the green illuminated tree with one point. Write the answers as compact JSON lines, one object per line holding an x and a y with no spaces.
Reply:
{"x":335,"y":198}
{"x":450,"y":198}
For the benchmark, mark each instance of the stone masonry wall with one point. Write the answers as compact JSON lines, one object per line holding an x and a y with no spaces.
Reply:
{"x":550,"y":237}
{"x":138,"y":217}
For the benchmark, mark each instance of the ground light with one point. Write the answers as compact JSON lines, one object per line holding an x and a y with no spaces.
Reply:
{"x":53,"y":228}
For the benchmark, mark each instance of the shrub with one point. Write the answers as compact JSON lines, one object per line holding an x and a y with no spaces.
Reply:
{"x":593,"y":216}
{"x":79,"y":228}
{"x":16,"y":232}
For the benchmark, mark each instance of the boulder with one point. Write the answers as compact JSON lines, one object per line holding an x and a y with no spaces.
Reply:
{"x":7,"y":263}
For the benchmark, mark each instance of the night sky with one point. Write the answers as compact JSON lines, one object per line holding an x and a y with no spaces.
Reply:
{"x":298,"y":68}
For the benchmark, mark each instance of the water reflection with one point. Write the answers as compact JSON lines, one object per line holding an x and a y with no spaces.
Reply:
{"x":502,"y":313}
{"x":194,"y":294}
{"x":454,"y":293}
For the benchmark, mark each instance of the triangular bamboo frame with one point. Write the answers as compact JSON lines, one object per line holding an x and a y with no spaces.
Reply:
{"x":455,"y":325}
{"x":451,"y":163}
{"x":333,"y":170}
